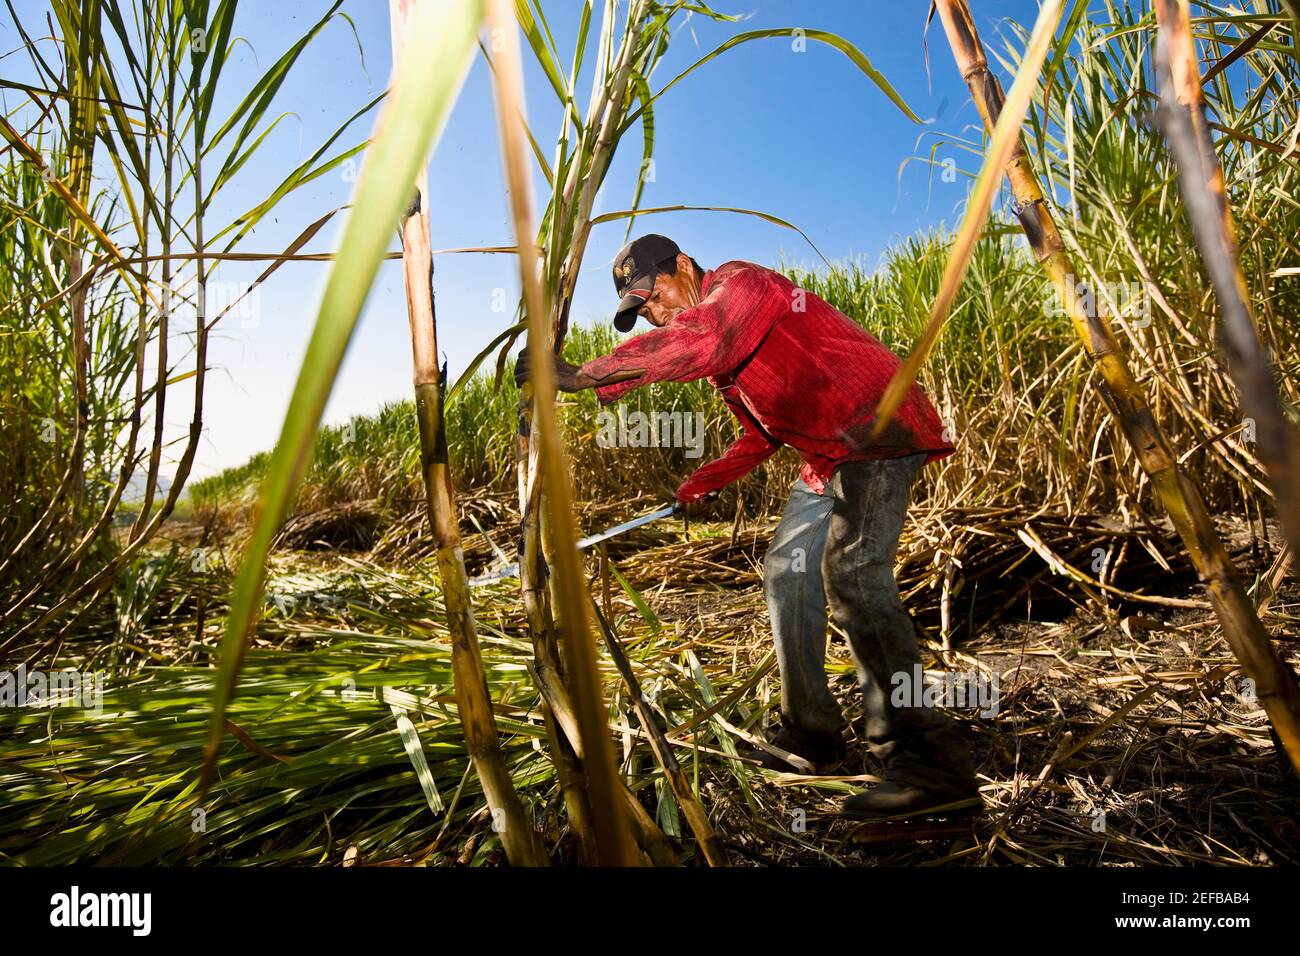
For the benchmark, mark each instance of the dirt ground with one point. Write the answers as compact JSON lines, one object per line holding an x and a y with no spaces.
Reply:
{"x":1120,"y":734}
{"x":1129,"y":741}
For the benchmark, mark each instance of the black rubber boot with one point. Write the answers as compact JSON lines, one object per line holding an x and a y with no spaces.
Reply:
{"x":825,"y":751}
{"x":926,"y":774}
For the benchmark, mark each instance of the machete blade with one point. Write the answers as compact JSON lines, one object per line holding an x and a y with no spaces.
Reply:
{"x":512,"y":570}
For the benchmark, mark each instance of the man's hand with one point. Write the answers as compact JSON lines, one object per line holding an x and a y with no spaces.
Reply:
{"x":698,"y":507}
{"x":568,"y":378}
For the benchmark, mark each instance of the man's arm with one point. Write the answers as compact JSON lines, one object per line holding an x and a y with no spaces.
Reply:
{"x":571,"y":378}
{"x":574,"y":379}
{"x":745,"y":454}
{"x":752,"y":448}
{"x":710,"y":339}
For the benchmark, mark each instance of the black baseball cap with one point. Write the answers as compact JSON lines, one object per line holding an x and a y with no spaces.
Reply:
{"x":635,"y":269}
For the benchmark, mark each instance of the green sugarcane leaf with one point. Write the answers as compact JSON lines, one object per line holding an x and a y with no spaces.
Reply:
{"x":411,"y":744}
{"x":635,"y":597}
{"x":545,"y":59}
{"x":258,"y":100}
{"x":666,"y":814}
{"x":218,"y":43}
{"x":710,"y":697}
{"x":510,"y":334}
{"x":1057,"y":58}
{"x":766,"y":217}
{"x":856,"y":56}
{"x":300,"y":176}
{"x":642,"y":90}
{"x":580,"y":45}
{"x":235,"y":162}
{"x":423,"y":93}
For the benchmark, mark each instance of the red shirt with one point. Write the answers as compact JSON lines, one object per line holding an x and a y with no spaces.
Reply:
{"x":793,"y":370}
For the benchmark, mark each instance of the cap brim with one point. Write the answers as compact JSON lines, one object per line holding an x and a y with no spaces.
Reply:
{"x":625,"y":317}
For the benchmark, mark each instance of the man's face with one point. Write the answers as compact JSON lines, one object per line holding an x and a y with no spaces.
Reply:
{"x":672,"y":295}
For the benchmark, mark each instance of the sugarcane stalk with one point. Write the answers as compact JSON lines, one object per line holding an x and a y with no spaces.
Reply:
{"x":555,"y":700}
{"x":569,"y":777}
{"x":473,"y":698}
{"x":548,"y":669}
{"x":714,"y":852}
{"x":536,"y":588}
{"x":1200,"y":177}
{"x":608,"y":119}
{"x":605,"y":94}
{"x":648,"y":835}
{"x":1275,"y":684}
{"x":1293,"y":7}
{"x":138,"y":528}
{"x":93,"y":588}
{"x":610,"y":824}
{"x":81,"y":155}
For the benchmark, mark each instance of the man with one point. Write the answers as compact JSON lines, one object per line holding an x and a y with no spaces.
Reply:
{"x":795,"y":371}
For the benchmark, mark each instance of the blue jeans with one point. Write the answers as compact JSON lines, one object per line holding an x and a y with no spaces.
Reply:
{"x":836,"y":552}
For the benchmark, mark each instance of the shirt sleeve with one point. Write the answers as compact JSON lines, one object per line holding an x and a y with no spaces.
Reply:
{"x":711,"y":338}
{"x":745,"y":454}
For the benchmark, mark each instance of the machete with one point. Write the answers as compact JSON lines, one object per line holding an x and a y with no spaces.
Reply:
{"x":512,"y":570}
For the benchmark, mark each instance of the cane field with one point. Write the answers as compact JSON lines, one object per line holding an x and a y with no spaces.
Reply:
{"x":289,"y":661}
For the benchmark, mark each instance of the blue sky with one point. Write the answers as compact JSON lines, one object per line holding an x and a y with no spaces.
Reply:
{"x":801,"y":135}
